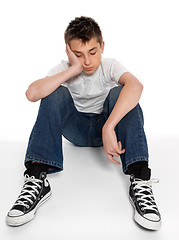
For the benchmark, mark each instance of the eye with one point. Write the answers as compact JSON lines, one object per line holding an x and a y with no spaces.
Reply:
{"x":93,"y":53}
{"x":78,"y":55}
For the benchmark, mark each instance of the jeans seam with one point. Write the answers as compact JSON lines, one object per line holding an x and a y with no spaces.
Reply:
{"x":141,"y":129}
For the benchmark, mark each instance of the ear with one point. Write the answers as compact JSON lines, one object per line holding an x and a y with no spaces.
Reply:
{"x":102,"y":47}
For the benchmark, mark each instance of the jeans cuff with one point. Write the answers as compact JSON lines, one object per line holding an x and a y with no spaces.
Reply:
{"x":53,"y":166}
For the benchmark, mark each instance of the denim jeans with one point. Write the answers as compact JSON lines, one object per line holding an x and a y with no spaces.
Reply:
{"x":58,"y":116}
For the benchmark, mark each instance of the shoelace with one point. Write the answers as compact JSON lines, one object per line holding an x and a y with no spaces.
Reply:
{"x":145,"y":195}
{"x":28,"y":191}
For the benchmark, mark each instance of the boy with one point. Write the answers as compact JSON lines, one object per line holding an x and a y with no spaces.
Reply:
{"x":91,"y":101}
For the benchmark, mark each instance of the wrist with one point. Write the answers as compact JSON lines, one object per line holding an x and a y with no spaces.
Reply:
{"x":76,"y":69}
{"x":72,"y":72}
{"x":109,"y":126}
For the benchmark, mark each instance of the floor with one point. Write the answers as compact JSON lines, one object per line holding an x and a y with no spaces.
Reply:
{"x":90,"y":197}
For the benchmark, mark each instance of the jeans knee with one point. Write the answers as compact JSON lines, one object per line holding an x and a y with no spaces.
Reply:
{"x":62,"y":91}
{"x":111,"y":100}
{"x":114,"y":92}
{"x":58,"y":96}
{"x":113,"y":95}
{"x":140,"y":113}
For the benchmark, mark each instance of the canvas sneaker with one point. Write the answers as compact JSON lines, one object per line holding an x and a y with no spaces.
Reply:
{"x":141,"y":197}
{"x":35,"y":191}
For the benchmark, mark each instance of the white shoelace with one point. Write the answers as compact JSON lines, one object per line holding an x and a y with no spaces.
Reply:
{"x":28,"y":191}
{"x":145,"y":195}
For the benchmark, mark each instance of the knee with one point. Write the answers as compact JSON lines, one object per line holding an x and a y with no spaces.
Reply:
{"x":113,"y":95}
{"x":114,"y":92}
{"x":111,"y":99}
{"x":60,"y":95}
{"x":138,"y":112}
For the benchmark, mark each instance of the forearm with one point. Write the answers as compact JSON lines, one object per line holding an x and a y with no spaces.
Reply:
{"x":45,"y":86}
{"x":127,"y":100}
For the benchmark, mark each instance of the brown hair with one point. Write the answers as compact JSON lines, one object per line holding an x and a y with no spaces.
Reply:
{"x":83,"y":28}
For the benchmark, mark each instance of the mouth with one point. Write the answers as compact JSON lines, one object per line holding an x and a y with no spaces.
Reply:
{"x":88,"y":69}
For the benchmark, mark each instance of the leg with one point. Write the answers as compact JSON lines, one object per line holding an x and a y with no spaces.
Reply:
{"x":135,"y":161}
{"x":57,"y":116}
{"x":129,"y":131}
{"x":45,"y":142}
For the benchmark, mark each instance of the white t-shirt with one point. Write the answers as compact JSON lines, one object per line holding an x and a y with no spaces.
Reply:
{"x":90,"y":91}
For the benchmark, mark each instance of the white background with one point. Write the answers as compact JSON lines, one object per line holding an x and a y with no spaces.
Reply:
{"x":142,"y":35}
{"x":90,"y":198}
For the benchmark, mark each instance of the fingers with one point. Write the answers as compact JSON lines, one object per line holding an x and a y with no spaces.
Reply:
{"x":116,"y":151}
{"x":121,"y":151}
{"x":111,"y":159}
{"x":67,"y":49}
{"x":114,"y":154}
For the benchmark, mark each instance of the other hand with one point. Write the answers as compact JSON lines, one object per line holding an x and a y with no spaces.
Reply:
{"x":111,"y":146}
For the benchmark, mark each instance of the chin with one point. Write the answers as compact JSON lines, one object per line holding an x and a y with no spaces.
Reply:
{"x":88,"y":73}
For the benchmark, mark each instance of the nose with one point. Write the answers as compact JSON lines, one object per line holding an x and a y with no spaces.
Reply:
{"x":87,"y":60}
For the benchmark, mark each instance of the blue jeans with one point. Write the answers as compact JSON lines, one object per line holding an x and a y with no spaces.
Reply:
{"x":58,"y":116}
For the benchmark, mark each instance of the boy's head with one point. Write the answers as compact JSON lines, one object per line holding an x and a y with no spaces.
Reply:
{"x":85,"y":39}
{"x":83,"y":28}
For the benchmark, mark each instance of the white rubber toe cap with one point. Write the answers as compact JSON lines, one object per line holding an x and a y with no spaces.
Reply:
{"x":152,"y":217}
{"x":15,"y":213}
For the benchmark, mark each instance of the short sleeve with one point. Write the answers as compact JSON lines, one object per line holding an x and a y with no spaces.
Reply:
{"x":58,"y":68}
{"x":116,"y":70}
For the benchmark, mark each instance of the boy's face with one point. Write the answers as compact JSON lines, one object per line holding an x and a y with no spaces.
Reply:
{"x":89,"y":54}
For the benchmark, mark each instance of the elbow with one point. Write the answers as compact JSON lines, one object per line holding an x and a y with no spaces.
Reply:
{"x":30,"y":95}
{"x":138,"y":89}
{"x":141,"y":87}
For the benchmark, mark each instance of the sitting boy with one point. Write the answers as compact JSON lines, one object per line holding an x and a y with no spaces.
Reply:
{"x":91,"y":101}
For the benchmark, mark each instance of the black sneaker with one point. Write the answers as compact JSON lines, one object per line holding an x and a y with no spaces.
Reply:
{"x":35,"y":192}
{"x":141,"y":197}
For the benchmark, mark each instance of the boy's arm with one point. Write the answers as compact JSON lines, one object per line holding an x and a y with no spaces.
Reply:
{"x":127,"y":100}
{"x":45,"y":86}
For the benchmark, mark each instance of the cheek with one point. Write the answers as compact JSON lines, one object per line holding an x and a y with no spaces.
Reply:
{"x":97,"y":60}
{"x":81,"y":60}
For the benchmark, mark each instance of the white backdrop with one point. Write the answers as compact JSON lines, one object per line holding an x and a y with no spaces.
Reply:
{"x":142,"y":35}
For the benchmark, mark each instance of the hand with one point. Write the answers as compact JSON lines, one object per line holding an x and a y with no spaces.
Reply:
{"x":111,"y":146}
{"x":73,"y":60}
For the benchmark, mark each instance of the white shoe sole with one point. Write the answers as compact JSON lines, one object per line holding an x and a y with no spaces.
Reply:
{"x":148,"y":224}
{"x":20,"y":220}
